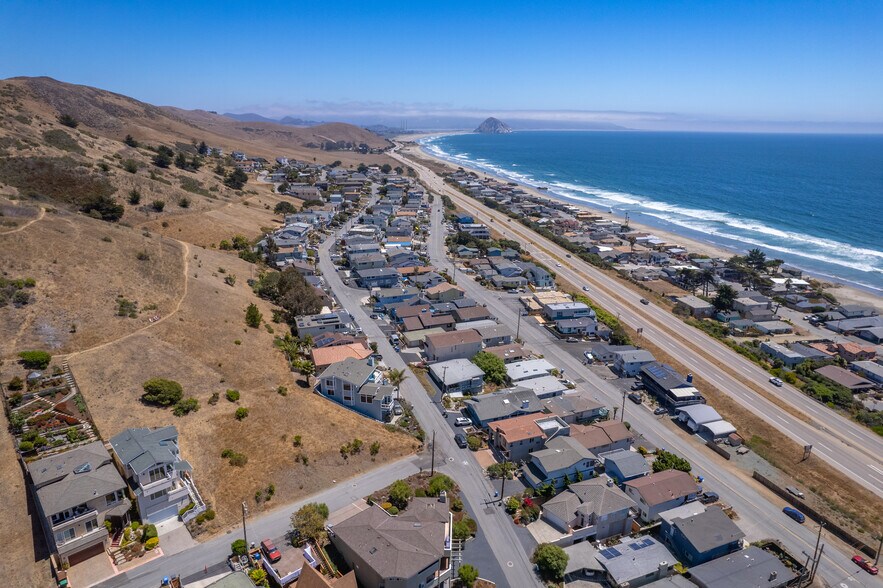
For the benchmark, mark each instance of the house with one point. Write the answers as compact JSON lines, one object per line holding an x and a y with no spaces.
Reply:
{"x":584,"y":327}
{"x":366,"y":261}
{"x":457,"y":376}
{"x":477,"y":230}
{"x":409,"y":550}
{"x":444,"y":292}
{"x":636,"y":562}
{"x":567,"y":310}
{"x":452,"y":345}
{"x":777,"y":351}
{"x":330,"y":322}
{"x":702,"y":537}
{"x":845,"y":378}
{"x":695,"y":307}
{"x":623,"y":465}
{"x":525,"y":370}
{"x":749,"y":568}
{"x":74,"y":493}
{"x":545,"y":386}
{"x":572,"y":408}
{"x":508,"y":283}
{"x":515,"y":438}
{"x":628,"y":364}
{"x":471,"y":313}
{"x":310,"y":577}
{"x":869,"y":369}
{"x":508,"y":352}
{"x":603,"y":437}
{"x":660,"y":492}
{"x":539,"y":277}
{"x":856,"y":311}
{"x":357,"y":385}
{"x":381,"y":277}
{"x":325,"y":356}
{"x":773,"y":327}
{"x":428,"y":280}
{"x":594,"y":509}
{"x":467,"y":252}
{"x":561,"y":461}
{"x":494,"y":334}
{"x":605,"y":353}
{"x":506,"y":268}
{"x":701,"y":417}
{"x":489,"y":408}
{"x":332,"y":339}
{"x":160,"y":480}
{"x":387,"y":296}
{"x":854,"y":352}
{"x":670,"y":388}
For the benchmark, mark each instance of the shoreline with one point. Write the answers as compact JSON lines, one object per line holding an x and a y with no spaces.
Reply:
{"x":844,"y":292}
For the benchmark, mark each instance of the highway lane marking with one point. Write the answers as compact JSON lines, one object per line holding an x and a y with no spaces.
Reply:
{"x":875,"y":468}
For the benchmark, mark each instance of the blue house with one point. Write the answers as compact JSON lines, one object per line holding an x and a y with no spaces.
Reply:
{"x":702,"y":537}
{"x":381,"y":277}
{"x":464,"y":219}
{"x":623,"y":465}
{"x":388,"y":296}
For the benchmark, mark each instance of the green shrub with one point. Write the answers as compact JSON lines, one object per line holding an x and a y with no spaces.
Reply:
{"x":162,"y":392}
{"x":185,"y":406}
{"x":239,"y":547}
{"x":464,"y":529}
{"x":68,"y":121}
{"x":438,"y":483}
{"x":26,"y":446}
{"x":35,"y":360}
{"x":184,"y":510}
{"x":392,"y":510}
{"x":149,"y":532}
{"x":151,"y":543}
{"x":241,"y":413}
{"x":16,"y":383}
{"x":399,"y":494}
{"x":232,"y":395}
{"x":474,"y":442}
{"x":551,"y":561}
{"x":158,"y":205}
{"x":61,"y":140}
{"x":468,"y":574}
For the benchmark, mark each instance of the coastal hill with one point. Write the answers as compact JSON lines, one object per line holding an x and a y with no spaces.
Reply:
{"x":493,"y":126}
{"x":132,"y":279}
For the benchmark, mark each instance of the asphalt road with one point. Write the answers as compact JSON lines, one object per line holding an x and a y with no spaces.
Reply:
{"x":851,"y":448}
{"x":760,"y":511}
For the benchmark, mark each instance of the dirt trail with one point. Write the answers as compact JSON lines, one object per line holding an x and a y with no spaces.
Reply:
{"x":27,"y":224}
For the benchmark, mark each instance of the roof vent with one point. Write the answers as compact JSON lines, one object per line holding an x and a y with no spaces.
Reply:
{"x":82,"y":469}
{"x":773,"y":575}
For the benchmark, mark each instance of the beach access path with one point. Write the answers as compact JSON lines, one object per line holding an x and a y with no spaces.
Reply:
{"x":843,"y":444}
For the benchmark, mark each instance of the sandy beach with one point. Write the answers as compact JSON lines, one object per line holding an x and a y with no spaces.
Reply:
{"x":845,"y":294}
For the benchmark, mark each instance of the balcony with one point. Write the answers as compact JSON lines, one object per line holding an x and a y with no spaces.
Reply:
{"x":386,"y":403}
{"x":93,"y":537}
{"x":78,"y":513}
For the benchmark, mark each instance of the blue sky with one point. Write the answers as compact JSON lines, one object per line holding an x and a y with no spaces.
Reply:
{"x":719,"y":61}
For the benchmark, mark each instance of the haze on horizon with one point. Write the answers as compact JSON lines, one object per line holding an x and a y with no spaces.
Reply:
{"x":748,"y":66}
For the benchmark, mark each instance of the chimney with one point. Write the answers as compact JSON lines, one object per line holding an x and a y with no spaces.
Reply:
{"x":773,"y":575}
{"x":689,"y":378}
{"x":610,"y":481}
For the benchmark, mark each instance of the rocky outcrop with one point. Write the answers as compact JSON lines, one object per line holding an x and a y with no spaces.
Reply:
{"x":493,"y":126}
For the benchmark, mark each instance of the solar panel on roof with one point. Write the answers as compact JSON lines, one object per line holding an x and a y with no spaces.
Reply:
{"x":636,"y":546}
{"x":648,"y":542}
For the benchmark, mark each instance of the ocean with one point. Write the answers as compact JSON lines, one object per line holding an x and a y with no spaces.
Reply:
{"x":815,"y":201}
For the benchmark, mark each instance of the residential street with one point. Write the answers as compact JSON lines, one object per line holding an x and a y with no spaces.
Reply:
{"x":853,"y":449}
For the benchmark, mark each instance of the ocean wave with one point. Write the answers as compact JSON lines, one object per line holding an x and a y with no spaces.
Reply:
{"x":724,"y":225}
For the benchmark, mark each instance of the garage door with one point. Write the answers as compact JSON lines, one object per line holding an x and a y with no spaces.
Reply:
{"x":162,"y":515}
{"x":87,"y":553}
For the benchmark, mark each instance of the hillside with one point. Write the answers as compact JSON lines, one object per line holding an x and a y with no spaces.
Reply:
{"x":493,"y":126}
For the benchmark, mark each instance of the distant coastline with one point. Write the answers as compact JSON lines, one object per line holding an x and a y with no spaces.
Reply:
{"x":845,"y":290}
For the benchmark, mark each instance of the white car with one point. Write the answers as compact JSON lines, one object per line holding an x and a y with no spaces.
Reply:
{"x":776,"y":382}
{"x":462,"y":422}
{"x":557,"y":265}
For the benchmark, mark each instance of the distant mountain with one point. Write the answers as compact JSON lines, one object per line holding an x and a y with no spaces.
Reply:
{"x":285,"y":120}
{"x":493,"y":126}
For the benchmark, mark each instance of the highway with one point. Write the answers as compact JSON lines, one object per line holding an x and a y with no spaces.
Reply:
{"x":851,"y":448}
{"x":760,"y":512}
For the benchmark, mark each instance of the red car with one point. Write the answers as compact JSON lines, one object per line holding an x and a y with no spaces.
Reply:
{"x":270,"y":551}
{"x":865,"y":564}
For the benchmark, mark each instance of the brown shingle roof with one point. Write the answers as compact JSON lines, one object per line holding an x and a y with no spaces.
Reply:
{"x":450,"y":338}
{"x":664,"y":486}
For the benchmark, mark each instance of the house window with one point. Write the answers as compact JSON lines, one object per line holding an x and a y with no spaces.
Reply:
{"x":64,"y":536}
{"x":157,"y":474}
{"x":347,"y":388}
{"x":329,"y":384}
{"x":91,"y":525}
{"x":366,"y":399}
{"x":110,"y":498}
{"x":158,"y":495}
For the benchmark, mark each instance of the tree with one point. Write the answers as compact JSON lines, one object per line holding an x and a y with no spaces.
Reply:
{"x":134,"y":197}
{"x":399,"y":494}
{"x":68,"y":121}
{"x":239,"y":547}
{"x":494,"y":367}
{"x":707,"y":278}
{"x":181,"y":160}
{"x":130,"y":141}
{"x":185,"y":406}
{"x":163,"y":157}
{"x":669,"y":461}
{"x":439,"y":483}
{"x":396,"y":377}
{"x":158,"y":205}
{"x":236,"y":179}
{"x":35,"y":360}
{"x":386,"y":168}
{"x":284,"y":208}
{"x":551,"y":561}
{"x":253,"y":316}
{"x":725,"y":297}
{"x":756,"y":259}
{"x":162,"y":392}
{"x":468,"y":574}
{"x":308,"y":523}
{"x":104,"y":208}
{"x":202,"y":149}
{"x":618,"y":336}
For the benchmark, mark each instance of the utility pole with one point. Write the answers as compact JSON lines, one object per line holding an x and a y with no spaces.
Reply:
{"x":805,"y":574}
{"x":622,"y":412}
{"x":244,"y":532}
{"x":432,"y":467}
{"x":815,"y":553}
{"x":503,"y":485}
{"x":879,"y":548}
{"x":815,"y":565}
{"x":518,"y":327}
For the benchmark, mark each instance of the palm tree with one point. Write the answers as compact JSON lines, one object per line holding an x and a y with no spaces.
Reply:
{"x":756,"y":259}
{"x":707,"y":278}
{"x":290,"y":346}
{"x":396,"y":377}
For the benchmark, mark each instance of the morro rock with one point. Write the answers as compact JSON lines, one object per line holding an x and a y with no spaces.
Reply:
{"x":493,"y":126}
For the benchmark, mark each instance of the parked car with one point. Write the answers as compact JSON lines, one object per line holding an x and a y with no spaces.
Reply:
{"x":645,"y":301}
{"x":660,"y":410}
{"x":270,"y":551}
{"x":636,"y":398}
{"x":460,"y":440}
{"x":709,"y":497}
{"x":638,"y":386}
{"x":865,"y":564}
{"x":776,"y":382}
{"x":794,"y":514}
{"x":795,"y":491}
{"x":585,"y":288}
{"x":398,"y":410}
{"x":375,"y":317}
{"x":568,"y":256}
{"x":462,"y":422}
{"x":572,"y":340}
{"x":557,"y":265}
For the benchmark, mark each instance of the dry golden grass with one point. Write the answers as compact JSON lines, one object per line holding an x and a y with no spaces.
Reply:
{"x":197,"y":348}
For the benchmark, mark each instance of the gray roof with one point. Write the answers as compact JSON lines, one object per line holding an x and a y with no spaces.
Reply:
{"x":576,"y":322}
{"x":490,"y":407}
{"x":490,"y":331}
{"x":709,"y":530}
{"x":635,"y":355}
{"x":142,"y":448}
{"x":454,"y":371}
{"x":560,"y":453}
{"x":581,"y":556}
{"x":568,"y":404}
{"x":352,"y":370}
{"x":591,"y":496}
{"x":750,"y":568}
{"x":629,"y":463}
{"x":625,"y":563}
{"x":59,"y":486}
{"x":397,"y":546}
